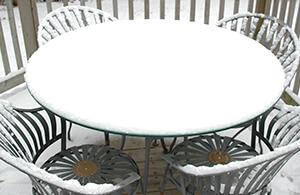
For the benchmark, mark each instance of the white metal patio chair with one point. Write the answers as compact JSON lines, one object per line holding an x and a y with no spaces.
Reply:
{"x":222,"y":165}
{"x":272,"y":33}
{"x":69,"y":18}
{"x":28,"y":134}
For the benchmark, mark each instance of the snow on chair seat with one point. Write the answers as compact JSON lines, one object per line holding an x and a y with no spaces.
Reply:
{"x":28,"y":134}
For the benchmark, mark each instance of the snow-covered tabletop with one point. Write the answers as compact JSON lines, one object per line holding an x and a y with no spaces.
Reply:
{"x":155,"y":78}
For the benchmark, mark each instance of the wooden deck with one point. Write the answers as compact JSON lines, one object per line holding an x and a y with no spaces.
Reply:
{"x":135,"y":147}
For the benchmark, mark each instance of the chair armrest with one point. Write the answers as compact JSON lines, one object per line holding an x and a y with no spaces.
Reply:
{"x":277,"y":156}
{"x":129,"y":178}
{"x":57,"y":184}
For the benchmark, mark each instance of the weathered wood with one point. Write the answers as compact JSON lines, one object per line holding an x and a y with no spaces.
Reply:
{"x":221,"y":9}
{"x":275,"y":7}
{"x":297,"y":27}
{"x":49,"y":6}
{"x":290,"y":98}
{"x":291,"y":12}
{"x":82,"y":2}
{"x":250,"y":5}
{"x":29,"y":20}
{"x":236,"y":6}
{"x":177,"y":9}
{"x":4,"y":51}
{"x":297,"y":82}
{"x":260,"y":6}
{"x":135,"y":147}
{"x":162,"y":9}
{"x":147,"y":9}
{"x":282,"y":12}
{"x":193,"y":10}
{"x":206,"y":11}
{"x":131,"y":9}
{"x":268,"y":7}
{"x":99,"y":4}
{"x":11,"y":80}
{"x":283,"y":9}
{"x":14,"y":35}
{"x":115,"y":8}
{"x":65,"y":2}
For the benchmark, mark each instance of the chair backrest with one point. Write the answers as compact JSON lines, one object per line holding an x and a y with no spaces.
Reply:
{"x":271,"y":32}
{"x":47,"y":183}
{"x":280,"y":126}
{"x":27,"y":133}
{"x":239,"y":177}
{"x":69,"y":18}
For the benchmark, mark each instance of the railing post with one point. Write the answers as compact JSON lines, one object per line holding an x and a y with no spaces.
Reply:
{"x":29,"y":20}
{"x":260,"y":6}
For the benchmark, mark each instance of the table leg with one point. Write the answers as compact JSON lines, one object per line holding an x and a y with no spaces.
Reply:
{"x":148,"y":141}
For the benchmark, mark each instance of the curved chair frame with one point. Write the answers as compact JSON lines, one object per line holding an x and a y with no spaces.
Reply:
{"x":277,"y":135}
{"x":68,"y":18}
{"x":25,"y":136}
{"x":44,"y":182}
{"x":272,"y":33}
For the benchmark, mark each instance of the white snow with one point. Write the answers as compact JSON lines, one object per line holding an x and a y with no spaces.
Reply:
{"x":13,"y":182}
{"x":158,"y":81}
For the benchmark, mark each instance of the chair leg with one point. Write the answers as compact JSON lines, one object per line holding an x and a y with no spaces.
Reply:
{"x":163,"y":144}
{"x":162,"y":191}
{"x":106,"y":137}
{"x":123,"y":142}
{"x":69,"y":132}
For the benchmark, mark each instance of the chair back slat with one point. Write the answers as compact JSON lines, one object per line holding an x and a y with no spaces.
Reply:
{"x":68,"y":18}
{"x":261,"y":35}
{"x":27,"y":133}
{"x":272,"y":33}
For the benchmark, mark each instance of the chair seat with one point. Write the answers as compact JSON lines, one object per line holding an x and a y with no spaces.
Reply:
{"x":91,"y":164}
{"x":204,"y":150}
{"x":210,"y":150}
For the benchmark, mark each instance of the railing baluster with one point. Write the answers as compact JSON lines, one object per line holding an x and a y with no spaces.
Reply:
{"x":130,"y":9}
{"x":82,"y":2}
{"x":236,"y":6}
{"x":282,"y":10}
{"x":275,"y":7}
{"x":291,"y":12}
{"x":221,"y":9}
{"x":65,"y":2}
{"x":99,"y":4}
{"x":193,"y":10}
{"x":115,"y":8}
{"x":147,"y":9}
{"x":250,"y":5}
{"x":207,"y":11}
{"x":177,"y":9}
{"x":13,"y":30}
{"x":49,"y":6}
{"x":4,"y":51}
{"x":268,"y":7}
{"x":162,"y":9}
{"x":297,"y":27}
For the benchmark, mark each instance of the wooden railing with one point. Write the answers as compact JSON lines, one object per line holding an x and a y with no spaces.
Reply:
{"x":203,"y":11}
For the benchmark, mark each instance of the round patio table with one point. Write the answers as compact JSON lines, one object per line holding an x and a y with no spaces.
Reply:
{"x":155,"y":78}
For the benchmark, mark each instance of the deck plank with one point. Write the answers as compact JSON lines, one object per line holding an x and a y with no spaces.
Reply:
{"x":135,"y":147}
